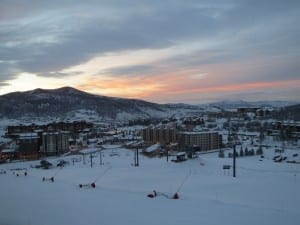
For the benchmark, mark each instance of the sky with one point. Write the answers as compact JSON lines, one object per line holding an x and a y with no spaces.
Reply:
{"x":164,"y":51}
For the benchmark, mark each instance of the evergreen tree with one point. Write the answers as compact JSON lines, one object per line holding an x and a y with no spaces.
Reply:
{"x":259,"y":151}
{"x":241,"y":151}
{"x":246,"y":152}
{"x":221,"y":154}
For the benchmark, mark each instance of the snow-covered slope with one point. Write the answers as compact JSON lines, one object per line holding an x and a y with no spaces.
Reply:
{"x":263,"y":192}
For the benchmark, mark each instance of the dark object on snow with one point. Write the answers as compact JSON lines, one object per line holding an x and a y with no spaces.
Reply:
{"x":18,"y":174}
{"x":155,"y":194}
{"x":259,"y":151}
{"x":19,"y":169}
{"x":44,"y":164}
{"x":62,"y":163}
{"x":279,"y":158}
{"x":152,"y":195}
{"x":295,"y":155}
{"x":221,"y":154}
{"x":93,"y":185}
{"x":226,"y":167}
{"x":50,"y":179}
{"x":180,"y":157}
{"x":276,"y":157}
{"x":176,"y":196}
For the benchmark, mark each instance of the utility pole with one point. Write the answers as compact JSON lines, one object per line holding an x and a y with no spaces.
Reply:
{"x":137,"y":156}
{"x":91,"y":160}
{"x":234,"y":155}
{"x":100,"y":154}
{"x":232,"y":142}
{"x":167,"y":155}
{"x":134,"y":158}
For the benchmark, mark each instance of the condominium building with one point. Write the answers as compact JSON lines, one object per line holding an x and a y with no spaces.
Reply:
{"x":55,"y":143}
{"x":165,"y":135}
{"x":203,"y":140}
{"x":162,"y":135}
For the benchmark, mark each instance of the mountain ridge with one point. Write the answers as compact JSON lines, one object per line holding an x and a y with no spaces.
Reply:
{"x":61,"y":101}
{"x":68,"y":101}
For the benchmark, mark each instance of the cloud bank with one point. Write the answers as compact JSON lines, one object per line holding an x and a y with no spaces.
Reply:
{"x":166,"y":51}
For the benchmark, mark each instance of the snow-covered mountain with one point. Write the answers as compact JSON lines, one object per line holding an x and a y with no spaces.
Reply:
{"x":67,"y":101}
{"x":72,"y":103}
{"x":228,"y":105}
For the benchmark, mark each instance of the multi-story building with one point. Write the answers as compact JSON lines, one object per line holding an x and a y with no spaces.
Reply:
{"x":47,"y":139}
{"x":28,"y":146}
{"x":55,"y":143}
{"x":64,"y":141}
{"x":162,"y":135}
{"x":165,"y":135}
{"x":204,"y":141}
{"x":74,"y":127}
{"x":285,"y":130}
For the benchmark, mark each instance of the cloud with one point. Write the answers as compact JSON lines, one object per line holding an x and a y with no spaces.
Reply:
{"x":49,"y":40}
{"x":232,"y":42}
{"x":134,"y":70}
{"x":2,"y":84}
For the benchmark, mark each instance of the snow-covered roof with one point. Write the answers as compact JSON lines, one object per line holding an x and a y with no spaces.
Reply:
{"x":199,"y":132}
{"x":180,"y":153}
{"x":89,"y":150}
{"x":8,"y":150}
{"x":23,"y":136}
{"x":152,"y":148}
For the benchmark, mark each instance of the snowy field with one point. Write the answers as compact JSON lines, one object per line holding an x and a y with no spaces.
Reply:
{"x":264,"y":192}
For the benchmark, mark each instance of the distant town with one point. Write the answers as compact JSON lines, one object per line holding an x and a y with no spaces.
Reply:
{"x":185,"y":135}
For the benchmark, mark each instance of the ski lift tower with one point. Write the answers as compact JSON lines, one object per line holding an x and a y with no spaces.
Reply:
{"x":234,"y":157}
{"x":232,"y":137}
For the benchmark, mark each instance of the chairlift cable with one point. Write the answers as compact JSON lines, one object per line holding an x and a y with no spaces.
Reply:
{"x":183,"y":181}
{"x":102,"y":174}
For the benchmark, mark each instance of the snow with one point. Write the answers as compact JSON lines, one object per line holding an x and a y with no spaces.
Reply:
{"x":152,"y":148}
{"x":8,"y":150}
{"x":263,"y":192}
{"x":89,"y":150}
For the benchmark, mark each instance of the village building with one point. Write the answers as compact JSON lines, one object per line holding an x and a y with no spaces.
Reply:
{"x":28,"y":146}
{"x":201,"y":141}
{"x":55,"y":143}
{"x":162,"y":135}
